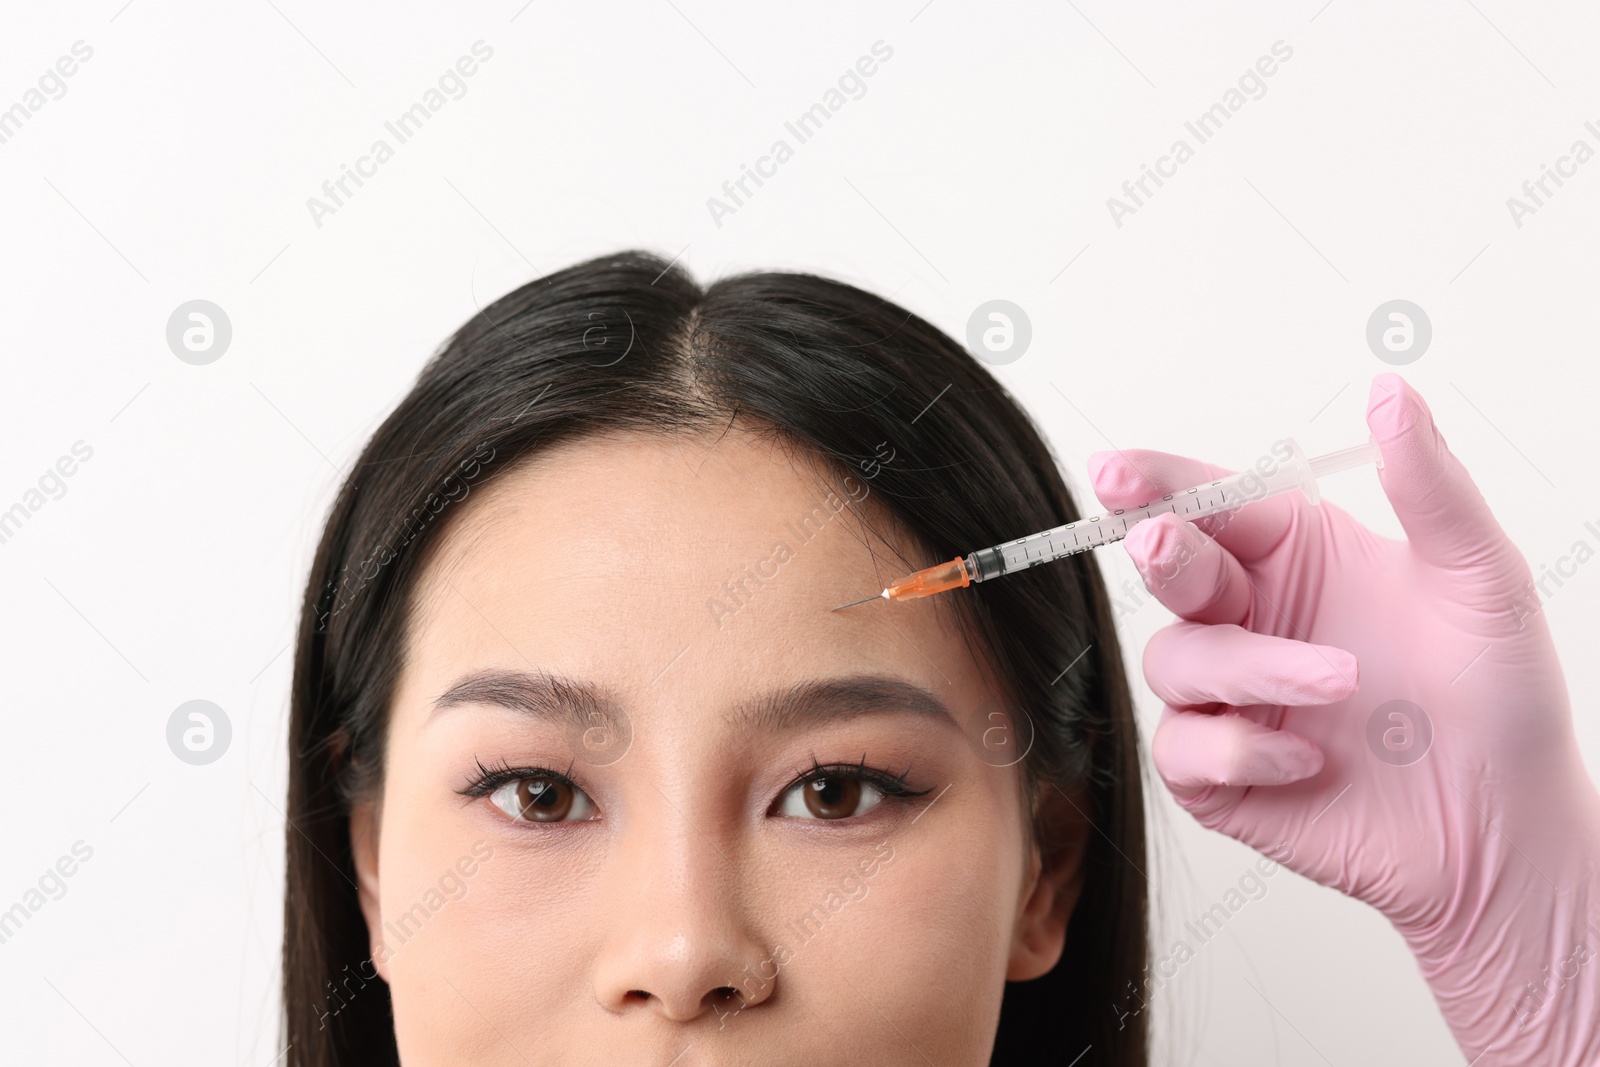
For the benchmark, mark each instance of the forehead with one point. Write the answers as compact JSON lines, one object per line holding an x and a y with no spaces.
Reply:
{"x":701,"y":566}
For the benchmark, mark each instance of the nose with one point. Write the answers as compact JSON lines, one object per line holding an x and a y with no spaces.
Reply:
{"x":678,"y":941}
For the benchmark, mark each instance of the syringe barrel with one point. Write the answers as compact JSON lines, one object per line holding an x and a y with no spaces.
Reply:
{"x":1055,"y":543}
{"x":1297,"y":471}
{"x":1285,"y":474}
{"x":1288,"y":469}
{"x":1224,"y":494}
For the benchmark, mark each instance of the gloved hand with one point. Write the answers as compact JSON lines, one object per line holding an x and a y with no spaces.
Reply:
{"x":1297,"y":628}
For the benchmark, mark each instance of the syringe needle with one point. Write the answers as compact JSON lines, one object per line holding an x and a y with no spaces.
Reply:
{"x":853,"y":603}
{"x":935,"y":579}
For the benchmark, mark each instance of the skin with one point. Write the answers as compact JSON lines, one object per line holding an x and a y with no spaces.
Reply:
{"x":659,"y":927}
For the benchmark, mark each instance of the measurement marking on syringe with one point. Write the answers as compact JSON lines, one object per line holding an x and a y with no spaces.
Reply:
{"x":1217,"y":496}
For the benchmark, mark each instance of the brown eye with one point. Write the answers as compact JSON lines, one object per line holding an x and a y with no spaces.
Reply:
{"x":832,"y":796}
{"x":542,"y":799}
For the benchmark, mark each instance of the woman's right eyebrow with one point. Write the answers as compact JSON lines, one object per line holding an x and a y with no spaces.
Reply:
{"x":537,"y":694}
{"x":566,"y":703}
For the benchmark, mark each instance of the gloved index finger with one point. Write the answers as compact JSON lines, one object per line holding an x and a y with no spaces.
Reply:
{"x":1127,"y":478}
{"x":1189,"y":572}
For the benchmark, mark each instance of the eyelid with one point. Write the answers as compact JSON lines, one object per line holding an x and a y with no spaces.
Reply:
{"x":892,"y":786}
{"x":489,"y":779}
{"x":490,"y":782}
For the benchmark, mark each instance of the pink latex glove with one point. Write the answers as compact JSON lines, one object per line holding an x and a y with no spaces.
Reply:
{"x":1296,"y":626}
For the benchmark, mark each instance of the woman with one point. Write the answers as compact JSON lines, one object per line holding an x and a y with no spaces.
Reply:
{"x":584,"y":769}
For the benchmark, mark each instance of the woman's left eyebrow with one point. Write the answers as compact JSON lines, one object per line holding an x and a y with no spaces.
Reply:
{"x":804,"y":705}
{"x":813,"y":703}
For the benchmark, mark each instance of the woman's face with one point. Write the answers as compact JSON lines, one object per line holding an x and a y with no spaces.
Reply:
{"x":603,"y":837}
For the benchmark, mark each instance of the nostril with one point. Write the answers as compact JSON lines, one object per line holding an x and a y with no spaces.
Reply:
{"x":725,"y":992}
{"x":637,"y":994}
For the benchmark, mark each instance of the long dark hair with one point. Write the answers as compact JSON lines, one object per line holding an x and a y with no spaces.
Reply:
{"x":629,"y":342}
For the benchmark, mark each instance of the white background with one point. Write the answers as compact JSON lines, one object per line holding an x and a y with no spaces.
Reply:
{"x":1227,"y":312}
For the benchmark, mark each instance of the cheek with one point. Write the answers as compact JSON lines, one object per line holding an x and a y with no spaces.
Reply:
{"x":509,"y":948}
{"x":926,"y":946}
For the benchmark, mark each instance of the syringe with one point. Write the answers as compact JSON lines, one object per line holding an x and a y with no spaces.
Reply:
{"x":1295,"y":470}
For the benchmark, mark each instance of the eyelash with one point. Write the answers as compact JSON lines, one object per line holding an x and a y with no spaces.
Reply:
{"x":491,"y":778}
{"x":893,"y":786}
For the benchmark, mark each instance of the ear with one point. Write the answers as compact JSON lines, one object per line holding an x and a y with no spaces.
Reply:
{"x":1051,"y":889}
{"x":364,"y":851}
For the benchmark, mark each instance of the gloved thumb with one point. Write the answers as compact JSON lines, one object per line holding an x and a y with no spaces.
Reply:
{"x":1446,"y":519}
